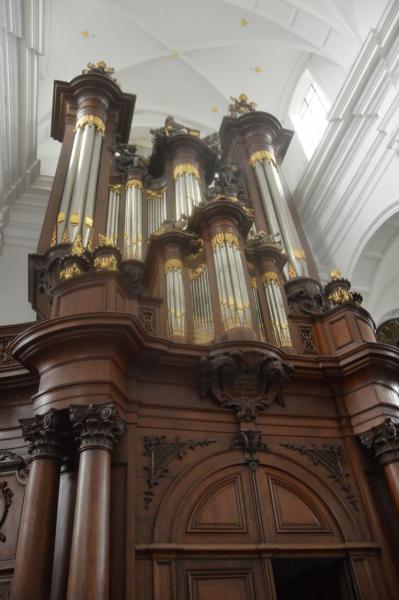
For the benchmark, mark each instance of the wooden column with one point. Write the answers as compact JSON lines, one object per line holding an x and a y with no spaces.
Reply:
{"x":383,"y":444}
{"x":96,"y":430}
{"x":34,"y":557}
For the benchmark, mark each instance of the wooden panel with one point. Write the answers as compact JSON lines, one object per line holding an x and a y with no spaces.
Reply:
{"x":10,"y":527}
{"x":293,"y":511}
{"x":164,"y":580}
{"x":340,"y":333}
{"x":221,"y":579}
{"x":118,"y":533}
{"x":220,"y":509}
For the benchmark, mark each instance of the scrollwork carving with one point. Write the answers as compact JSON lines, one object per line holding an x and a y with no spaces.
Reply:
{"x":45,"y":434}
{"x":96,"y":426}
{"x":5,"y":503}
{"x":246,"y":382}
{"x":331,"y":457}
{"x":161,"y":453}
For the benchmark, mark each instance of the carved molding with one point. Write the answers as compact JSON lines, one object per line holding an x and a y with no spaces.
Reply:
{"x":382,"y":442}
{"x":45,"y":434}
{"x":247,"y":382}
{"x":147,"y":319}
{"x":331,"y":457}
{"x":251,"y":442}
{"x":5,"y":590}
{"x":306,"y":333}
{"x":10,"y":461}
{"x":161,"y":453}
{"x":96,"y":426}
{"x":5,"y":354}
{"x":5,"y":503}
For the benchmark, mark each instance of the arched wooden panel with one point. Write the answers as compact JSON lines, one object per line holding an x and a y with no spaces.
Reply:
{"x":221,"y":499}
{"x":221,"y":508}
{"x":293,"y":512}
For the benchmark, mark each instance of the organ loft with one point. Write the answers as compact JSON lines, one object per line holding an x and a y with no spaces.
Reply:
{"x":193,"y":415}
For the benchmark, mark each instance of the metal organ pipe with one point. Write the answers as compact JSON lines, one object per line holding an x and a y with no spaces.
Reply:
{"x":202,"y":312}
{"x":175,"y":297}
{"x":78,"y":200}
{"x":233,"y":294}
{"x":277,"y":212}
{"x":272,"y":288}
{"x":187,"y":189}
{"x":133,"y":220}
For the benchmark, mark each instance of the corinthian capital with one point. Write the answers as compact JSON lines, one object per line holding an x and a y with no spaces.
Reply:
{"x":383,"y":442}
{"x":96,"y":426}
{"x":45,"y":434}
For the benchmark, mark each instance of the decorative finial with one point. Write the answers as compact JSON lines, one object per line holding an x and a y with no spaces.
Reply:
{"x":100,"y":68}
{"x":335,"y":274}
{"x":240,"y":106}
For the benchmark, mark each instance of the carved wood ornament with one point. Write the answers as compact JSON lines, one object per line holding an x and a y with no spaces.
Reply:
{"x":251,"y":442}
{"x":331,"y":457}
{"x":5,"y":503}
{"x":161,"y":453}
{"x":247,"y":382}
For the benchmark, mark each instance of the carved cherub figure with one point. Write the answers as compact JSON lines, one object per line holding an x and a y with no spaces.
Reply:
{"x":240,"y":106}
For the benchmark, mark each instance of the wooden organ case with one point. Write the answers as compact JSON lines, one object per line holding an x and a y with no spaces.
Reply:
{"x":193,"y":415}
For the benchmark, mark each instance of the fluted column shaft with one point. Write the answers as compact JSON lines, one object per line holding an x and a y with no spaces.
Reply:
{"x":34,"y":557}
{"x":96,"y":430}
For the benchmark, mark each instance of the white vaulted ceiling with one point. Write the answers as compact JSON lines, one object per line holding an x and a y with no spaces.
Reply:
{"x":187,"y":57}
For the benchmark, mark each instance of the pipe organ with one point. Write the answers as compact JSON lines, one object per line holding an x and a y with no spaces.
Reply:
{"x":192,"y":414}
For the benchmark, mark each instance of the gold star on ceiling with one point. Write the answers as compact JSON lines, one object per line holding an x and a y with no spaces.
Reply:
{"x":244,"y":22}
{"x":257,"y":69}
{"x":85,"y":34}
{"x":175,"y":53}
{"x":215,"y":109}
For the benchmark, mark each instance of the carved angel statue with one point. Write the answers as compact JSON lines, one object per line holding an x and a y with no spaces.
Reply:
{"x":240,"y":106}
{"x":172,"y":128}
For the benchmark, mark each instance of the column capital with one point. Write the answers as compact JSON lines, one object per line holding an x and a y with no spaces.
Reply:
{"x":96,"y":426}
{"x":45,"y":434}
{"x":383,"y":442}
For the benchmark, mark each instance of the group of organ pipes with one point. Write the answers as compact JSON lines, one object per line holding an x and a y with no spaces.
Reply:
{"x":213,"y":209}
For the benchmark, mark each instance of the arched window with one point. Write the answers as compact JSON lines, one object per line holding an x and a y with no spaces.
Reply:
{"x":309,"y":109}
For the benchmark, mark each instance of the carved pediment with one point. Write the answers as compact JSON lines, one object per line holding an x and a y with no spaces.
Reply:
{"x":247,"y":382}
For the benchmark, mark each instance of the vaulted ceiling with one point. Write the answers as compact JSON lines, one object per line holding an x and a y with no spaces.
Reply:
{"x":186,"y":58}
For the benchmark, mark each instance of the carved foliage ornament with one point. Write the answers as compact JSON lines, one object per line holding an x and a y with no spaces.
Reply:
{"x":45,"y":435}
{"x":96,"y":426}
{"x":247,"y":382}
{"x":331,"y":457}
{"x":161,"y":453}
{"x":383,"y":442}
{"x":5,"y":503}
{"x":5,"y":590}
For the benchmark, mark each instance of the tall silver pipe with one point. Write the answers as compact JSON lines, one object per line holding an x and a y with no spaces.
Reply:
{"x":92,"y":188}
{"x":266,"y":198}
{"x":81,"y":182}
{"x":63,"y":214}
{"x":294,"y":247}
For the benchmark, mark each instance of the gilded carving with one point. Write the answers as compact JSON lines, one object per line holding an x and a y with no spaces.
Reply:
{"x":185,"y":168}
{"x":240,"y":106}
{"x":246,"y":382}
{"x":262,"y":155}
{"x":160,"y":453}
{"x":91,"y":120}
